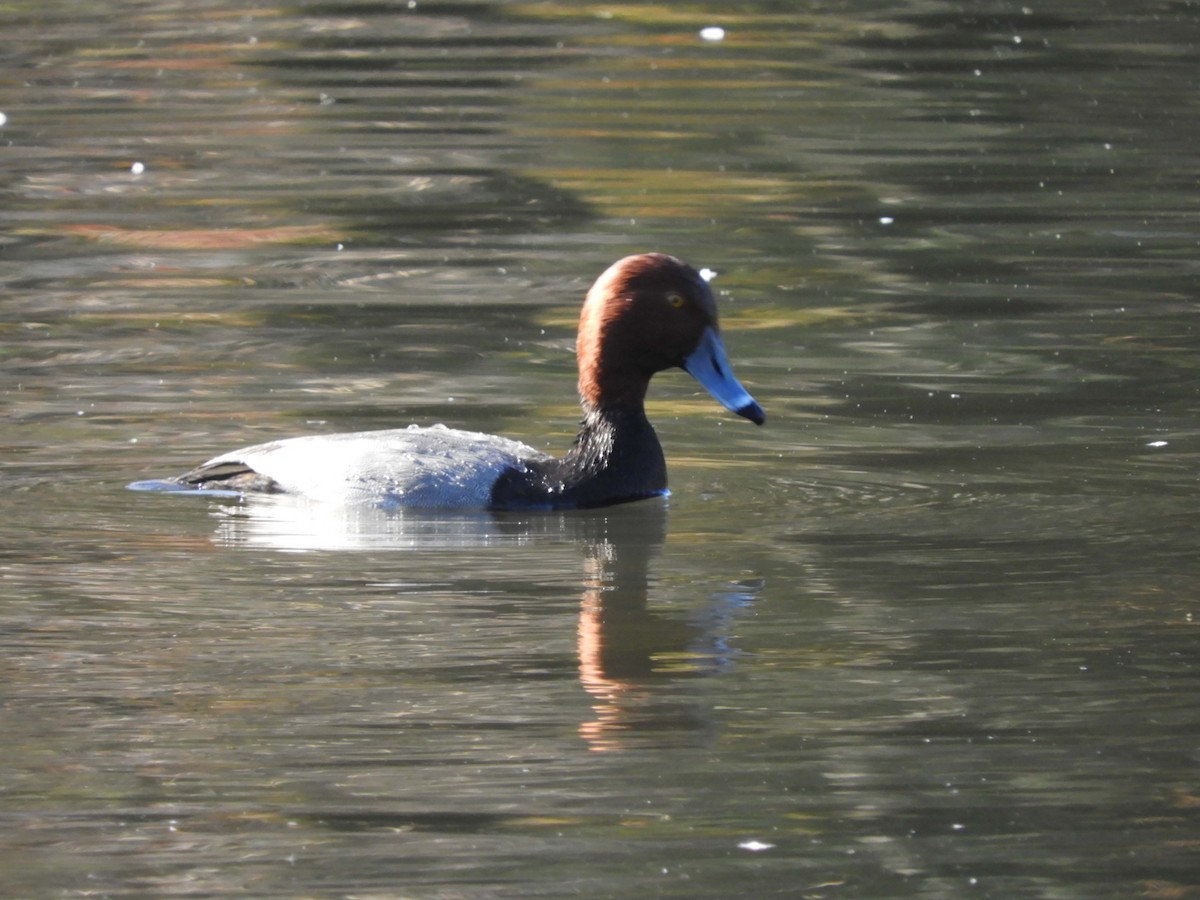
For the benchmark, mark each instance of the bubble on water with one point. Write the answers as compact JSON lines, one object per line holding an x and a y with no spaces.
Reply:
{"x":713,"y":33}
{"x":138,"y":168}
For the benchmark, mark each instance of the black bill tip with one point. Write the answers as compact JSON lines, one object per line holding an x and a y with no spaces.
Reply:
{"x":753,"y":412}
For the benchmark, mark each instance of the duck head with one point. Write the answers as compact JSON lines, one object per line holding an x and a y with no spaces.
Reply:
{"x":647,"y":313}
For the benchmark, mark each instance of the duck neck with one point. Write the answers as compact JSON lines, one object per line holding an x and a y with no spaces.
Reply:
{"x":616,"y":457}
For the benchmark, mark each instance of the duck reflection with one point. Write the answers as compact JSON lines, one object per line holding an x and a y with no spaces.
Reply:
{"x":629,"y":656}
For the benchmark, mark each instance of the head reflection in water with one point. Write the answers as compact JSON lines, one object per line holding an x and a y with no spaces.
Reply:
{"x":627,"y":651}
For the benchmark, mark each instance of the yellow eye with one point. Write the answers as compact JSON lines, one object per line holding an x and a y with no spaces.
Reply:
{"x":676,"y":300}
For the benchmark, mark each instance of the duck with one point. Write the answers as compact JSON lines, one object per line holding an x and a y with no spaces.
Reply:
{"x":645,"y":314}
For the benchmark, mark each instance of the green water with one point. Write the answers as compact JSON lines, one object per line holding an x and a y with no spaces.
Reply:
{"x":930,"y":632}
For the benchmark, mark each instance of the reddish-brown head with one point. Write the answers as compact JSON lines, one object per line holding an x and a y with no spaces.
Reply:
{"x":647,"y":313}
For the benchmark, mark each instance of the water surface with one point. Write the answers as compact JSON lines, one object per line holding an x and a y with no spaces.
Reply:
{"x":928,"y":633}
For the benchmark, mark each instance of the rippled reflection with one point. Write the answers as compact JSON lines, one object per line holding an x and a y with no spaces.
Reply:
{"x":624,"y":648}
